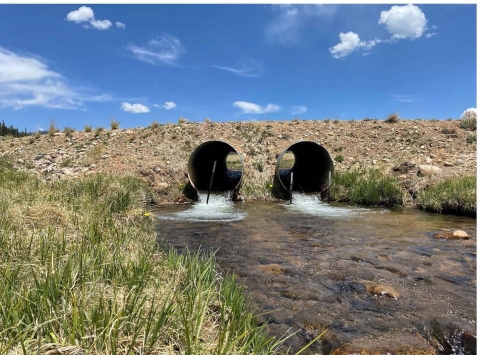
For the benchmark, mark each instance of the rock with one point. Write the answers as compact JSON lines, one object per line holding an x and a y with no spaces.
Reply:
{"x":429,"y":160}
{"x":404,"y":167}
{"x":447,"y":163}
{"x":426,"y":170}
{"x":460,"y":161}
{"x":457,"y":234}
{"x":39,"y":156}
{"x":162,"y":185}
{"x":382,"y":290}
{"x":67,"y":171}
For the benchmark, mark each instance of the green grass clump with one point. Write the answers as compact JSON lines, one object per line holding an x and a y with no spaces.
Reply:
{"x":456,"y":195}
{"x":366,"y":187}
{"x":80,"y":272}
{"x":339,"y":158}
{"x":472,"y":138}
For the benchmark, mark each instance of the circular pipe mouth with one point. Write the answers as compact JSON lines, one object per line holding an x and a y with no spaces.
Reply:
{"x":201,"y":162}
{"x":312,"y":169}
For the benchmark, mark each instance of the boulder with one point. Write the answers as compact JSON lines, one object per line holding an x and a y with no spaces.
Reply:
{"x":382,"y":290}
{"x":425,"y":170}
{"x":457,"y":234}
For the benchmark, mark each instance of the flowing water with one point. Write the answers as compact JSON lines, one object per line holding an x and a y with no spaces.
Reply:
{"x":305,"y":267}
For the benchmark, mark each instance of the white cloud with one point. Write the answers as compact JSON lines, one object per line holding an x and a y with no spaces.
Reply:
{"x":296,"y":110}
{"x":134,"y":108}
{"x":169,"y":105}
{"x":85,"y":14}
{"x":101,"y":24}
{"x":404,"y":21}
{"x":472,"y":109}
{"x":248,"y":107}
{"x":430,"y":34}
{"x":120,"y":25}
{"x":27,"y":81}
{"x":405,"y":98}
{"x":293,"y":19}
{"x":348,"y":43}
{"x":164,"y":50}
{"x":248,"y":68}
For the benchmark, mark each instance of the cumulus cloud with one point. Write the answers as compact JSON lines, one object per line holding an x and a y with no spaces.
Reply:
{"x":120,"y":25}
{"x":26,"y":81}
{"x":297,"y":110}
{"x":134,"y":108}
{"x":168,"y":105}
{"x":163,"y":50}
{"x":472,"y":109}
{"x":85,"y":15}
{"x":248,"y":68}
{"x":403,"y":22}
{"x":292,"y":20}
{"x":248,"y":107}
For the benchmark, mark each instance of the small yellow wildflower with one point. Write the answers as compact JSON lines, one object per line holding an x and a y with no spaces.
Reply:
{"x":146,"y":214}
{"x":270,"y":186}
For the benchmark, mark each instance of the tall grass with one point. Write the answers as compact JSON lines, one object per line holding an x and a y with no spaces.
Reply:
{"x":80,"y":273}
{"x":456,"y":195}
{"x":366,"y":187}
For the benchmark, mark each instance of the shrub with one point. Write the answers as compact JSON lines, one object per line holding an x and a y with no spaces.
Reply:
{"x":114,"y":124}
{"x":37,"y":135}
{"x":336,"y":121}
{"x":88,"y":128}
{"x":447,"y":130}
{"x":52,"y":129}
{"x":207,"y":120}
{"x":98,"y":130}
{"x":327,"y":120}
{"x":68,"y":132}
{"x":456,"y":195}
{"x":259,"y":165}
{"x":366,"y":187}
{"x":472,"y":138}
{"x":469,"y":121}
{"x":182,"y":120}
{"x":339,"y":158}
{"x":393,"y":117}
{"x":154,"y":125}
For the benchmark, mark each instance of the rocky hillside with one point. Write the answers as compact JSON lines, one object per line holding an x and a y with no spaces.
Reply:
{"x":159,"y":153}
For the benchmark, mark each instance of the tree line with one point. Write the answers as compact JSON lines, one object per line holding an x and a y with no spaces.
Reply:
{"x":11,"y":131}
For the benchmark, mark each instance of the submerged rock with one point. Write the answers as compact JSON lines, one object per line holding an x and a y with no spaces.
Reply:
{"x":458,"y":234}
{"x":382,"y":290}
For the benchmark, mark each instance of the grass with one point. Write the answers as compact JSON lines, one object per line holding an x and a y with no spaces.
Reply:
{"x":366,"y":187}
{"x":68,"y":131}
{"x":339,"y":158}
{"x":392,"y":118}
{"x":88,"y":128}
{"x":469,"y":121}
{"x":154,"y":124}
{"x":52,"y":129}
{"x":456,"y":195}
{"x":471,"y":138}
{"x":81,"y":273}
{"x":114,"y":124}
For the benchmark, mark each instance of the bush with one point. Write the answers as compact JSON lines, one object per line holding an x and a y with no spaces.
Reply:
{"x":154,"y":125}
{"x":366,"y":187}
{"x":472,"y":138}
{"x":114,"y":124}
{"x":456,"y":195}
{"x":182,"y":120}
{"x":88,"y":128}
{"x":469,"y":121}
{"x":52,"y":129}
{"x":68,"y":132}
{"x":339,"y":158}
{"x":207,"y":120}
{"x":447,"y":130}
{"x":393,"y":117}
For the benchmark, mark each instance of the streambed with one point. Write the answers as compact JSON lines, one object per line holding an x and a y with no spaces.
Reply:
{"x":306,"y":267}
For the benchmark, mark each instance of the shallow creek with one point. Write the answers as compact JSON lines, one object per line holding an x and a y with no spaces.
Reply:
{"x":305,"y":267}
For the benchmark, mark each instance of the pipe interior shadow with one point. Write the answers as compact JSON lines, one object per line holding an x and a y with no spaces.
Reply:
{"x":311,"y":169}
{"x":228,"y":174}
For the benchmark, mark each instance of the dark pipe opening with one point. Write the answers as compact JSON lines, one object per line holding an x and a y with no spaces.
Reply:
{"x":228,"y":171}
{"x":311,"y":166}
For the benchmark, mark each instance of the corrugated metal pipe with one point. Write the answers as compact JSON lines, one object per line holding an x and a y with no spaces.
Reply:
{"x":312,"y":169}
{"x":228,"y":170}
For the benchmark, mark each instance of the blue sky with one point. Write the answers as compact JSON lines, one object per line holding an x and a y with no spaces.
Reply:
{"x":87,"y":64}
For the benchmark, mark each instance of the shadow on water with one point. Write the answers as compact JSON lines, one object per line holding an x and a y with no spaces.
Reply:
{"x":306,"y":266}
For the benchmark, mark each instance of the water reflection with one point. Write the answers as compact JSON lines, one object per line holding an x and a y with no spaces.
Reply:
{"x":306,"y":267}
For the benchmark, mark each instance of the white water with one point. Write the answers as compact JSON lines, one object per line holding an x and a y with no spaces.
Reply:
{"x":219,"y":209}
{"x":311,"y":204}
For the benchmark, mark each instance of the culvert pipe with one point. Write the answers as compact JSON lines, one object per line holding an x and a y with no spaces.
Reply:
{"x":312,"y":169}
{"x":200,"y":165}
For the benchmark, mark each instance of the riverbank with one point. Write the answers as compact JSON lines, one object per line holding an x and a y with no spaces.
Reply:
{"x":418,"y":153}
